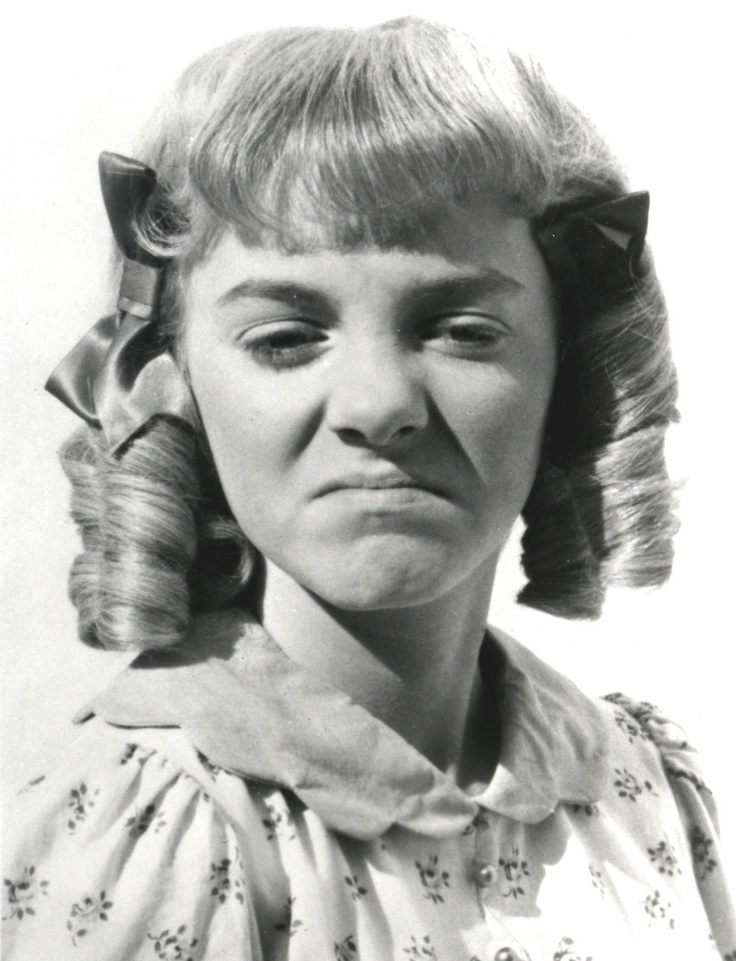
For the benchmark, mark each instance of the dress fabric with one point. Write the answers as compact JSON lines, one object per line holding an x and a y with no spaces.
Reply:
{"x":221,"y":805}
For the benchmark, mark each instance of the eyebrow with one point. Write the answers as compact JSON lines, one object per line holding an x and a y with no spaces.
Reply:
{"x":465,"y":287}
{"x":424,"y":294}
{"x":285,"y":292}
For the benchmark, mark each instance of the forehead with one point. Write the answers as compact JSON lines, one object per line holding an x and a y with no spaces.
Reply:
{"x":481,"y":239}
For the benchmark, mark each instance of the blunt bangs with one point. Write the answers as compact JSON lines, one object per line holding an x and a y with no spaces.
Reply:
{"x":340,"y":137}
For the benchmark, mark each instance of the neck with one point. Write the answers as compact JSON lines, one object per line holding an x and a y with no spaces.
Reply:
{"x":415,"y":669}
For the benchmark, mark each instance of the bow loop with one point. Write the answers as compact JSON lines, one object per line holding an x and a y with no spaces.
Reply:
{"x":127,"y":187}
{"x":596,"y":251}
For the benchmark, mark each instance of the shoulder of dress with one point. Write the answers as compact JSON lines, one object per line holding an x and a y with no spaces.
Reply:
{"x":642,"y":720}
{"x":658,"y":727}
{"x":88,"y":853}
{"x":118,"y":763}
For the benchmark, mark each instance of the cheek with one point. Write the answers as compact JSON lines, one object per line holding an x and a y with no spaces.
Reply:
{"x":505,"y":451}
{"x":501,"y":424}
{"x":262,"y":436}
{"x":252,"y":453}
{"x":253,"y":430}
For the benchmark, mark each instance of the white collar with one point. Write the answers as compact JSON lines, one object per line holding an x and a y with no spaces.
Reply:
{"x":256,"y":713}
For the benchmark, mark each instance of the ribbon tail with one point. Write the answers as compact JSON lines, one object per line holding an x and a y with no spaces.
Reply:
{"x":73,"y":381}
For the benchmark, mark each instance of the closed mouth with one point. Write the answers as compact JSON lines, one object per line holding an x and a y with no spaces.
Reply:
{"x":375,"y":482}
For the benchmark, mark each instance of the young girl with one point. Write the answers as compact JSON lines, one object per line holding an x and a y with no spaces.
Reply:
{"x":381,"y":294}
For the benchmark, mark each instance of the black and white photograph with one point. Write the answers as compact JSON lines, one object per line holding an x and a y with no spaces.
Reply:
{"x":367,"y":483}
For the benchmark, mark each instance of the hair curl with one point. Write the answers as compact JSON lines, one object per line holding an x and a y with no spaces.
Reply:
{"x":368,"y":134}
{"x":159,"y":541}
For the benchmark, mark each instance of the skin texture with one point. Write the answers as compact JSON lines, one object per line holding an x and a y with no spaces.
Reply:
{"x":376,"y":418}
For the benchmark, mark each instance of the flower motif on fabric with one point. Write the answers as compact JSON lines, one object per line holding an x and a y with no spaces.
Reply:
{"x":224,"y":884}
{"x":279,"y":824}
{"x":86,"y":915}
{"x":346,"y":950}
{"x":591,"y":810}
{"x":289,"y":924}
{"x":700,"y":845}
{"x":356,"y":891}
{"x":21,"y":893}
{"x":659,"y":910}
{"x":663,"y":855}
{"x":515,"y":870}
{"x":212,"y":769}
{"x":421,"y":949}
{"x":80,"y":802}
{"x":628,"y":726}
{"x":566,"y":952}
{"x":629,"y":786}
{"x":141,"y":821}
{"x":134,"y":752}
{"x":433,"y":879}
{"x":174,"y":945}
{"x":597,"y":878}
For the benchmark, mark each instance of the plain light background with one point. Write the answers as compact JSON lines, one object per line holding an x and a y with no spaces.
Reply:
{"x":79,"y":78}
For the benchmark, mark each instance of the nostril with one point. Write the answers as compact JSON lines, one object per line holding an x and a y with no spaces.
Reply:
{"x":351,"y":434}
{"x":375,"y":439}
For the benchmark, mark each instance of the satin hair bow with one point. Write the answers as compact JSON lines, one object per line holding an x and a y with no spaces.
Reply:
{"x":121,"y":372}
{"x":594,"y":253}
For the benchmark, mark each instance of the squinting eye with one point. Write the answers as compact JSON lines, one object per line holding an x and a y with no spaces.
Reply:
{"x":465,"y":335}
{"x":284,"y":344}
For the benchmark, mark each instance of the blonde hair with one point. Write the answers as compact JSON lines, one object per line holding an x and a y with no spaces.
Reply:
{"x":368,"y":134}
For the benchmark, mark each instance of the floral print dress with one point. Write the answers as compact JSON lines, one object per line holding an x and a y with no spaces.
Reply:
{"x":228,"y":807}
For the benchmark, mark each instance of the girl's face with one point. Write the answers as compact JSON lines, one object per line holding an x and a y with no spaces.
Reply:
{"x":376,"y":416}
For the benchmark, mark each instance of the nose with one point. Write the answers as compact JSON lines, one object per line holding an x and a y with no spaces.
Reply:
{"x":377,"y":395}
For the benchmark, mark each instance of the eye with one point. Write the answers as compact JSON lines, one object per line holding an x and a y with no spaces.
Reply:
{"x":282,"y":344}
{"x":475,"y":336}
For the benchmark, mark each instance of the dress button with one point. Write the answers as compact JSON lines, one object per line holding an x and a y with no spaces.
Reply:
{"x":506,"y":954}
{"x":485,"y":875}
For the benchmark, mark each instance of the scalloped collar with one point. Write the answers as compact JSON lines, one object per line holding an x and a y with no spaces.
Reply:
{"x":253,"y":711}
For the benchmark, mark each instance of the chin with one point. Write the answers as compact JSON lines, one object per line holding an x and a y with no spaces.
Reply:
{"x":380,"y":577}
